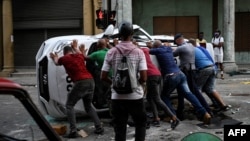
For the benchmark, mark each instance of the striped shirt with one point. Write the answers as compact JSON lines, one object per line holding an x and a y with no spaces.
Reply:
{"x":137,"y":58}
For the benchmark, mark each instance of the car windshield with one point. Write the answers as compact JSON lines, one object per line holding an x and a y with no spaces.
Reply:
{"x":140,"y":36}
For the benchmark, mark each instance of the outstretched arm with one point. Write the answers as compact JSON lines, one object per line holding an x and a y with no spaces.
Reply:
{"x":80,"y":50}
{"x":74,"y":46}
{"x":54,"y":57}
{"x":83,"y":51}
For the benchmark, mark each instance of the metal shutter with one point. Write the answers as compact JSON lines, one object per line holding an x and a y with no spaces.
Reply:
{"x":36,"y":21}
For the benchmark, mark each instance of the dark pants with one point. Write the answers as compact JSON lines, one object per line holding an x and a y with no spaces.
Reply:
{"x":153,"y":96}
{"x":121,"y":109}
{"x":82,"y":90}
{"x":100,"y":98}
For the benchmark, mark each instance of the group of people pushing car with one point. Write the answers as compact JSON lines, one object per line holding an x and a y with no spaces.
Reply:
{"x":195,"y":75}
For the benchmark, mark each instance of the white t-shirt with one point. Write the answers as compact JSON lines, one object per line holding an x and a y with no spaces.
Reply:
{"x":216,"y":41}
{"x":209,"y":48}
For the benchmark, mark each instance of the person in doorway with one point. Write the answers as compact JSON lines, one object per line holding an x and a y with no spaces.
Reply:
{"x":83,"y":89}
{"x":200,"y":40}
{"x":218,"y":42}
{"x":131,"y":104}
{"x":203,"y":43}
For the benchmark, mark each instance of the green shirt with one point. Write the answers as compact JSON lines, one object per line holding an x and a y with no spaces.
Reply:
{"x":99,"y":56}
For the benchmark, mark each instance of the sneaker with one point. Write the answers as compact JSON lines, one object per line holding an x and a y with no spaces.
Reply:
{"x":222,"y":108}
{"x":213,"y":105}
{"x":99,"y":130}
{"x":174,"y":123}
{"x":71,"y":135}
{"x":225,"y":108}
{"x":156,"y":123}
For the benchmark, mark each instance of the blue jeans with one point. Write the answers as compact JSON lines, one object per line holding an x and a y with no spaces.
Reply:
{"x":121,"y":109}
{"x":179,"y":81}
{"x":82,"y":90}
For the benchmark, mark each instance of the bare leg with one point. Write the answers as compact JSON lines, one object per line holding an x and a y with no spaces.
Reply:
{"x":221,"y":70}
{"x":218,"y":98}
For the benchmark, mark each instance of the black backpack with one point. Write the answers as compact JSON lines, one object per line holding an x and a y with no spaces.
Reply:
{"x":122,"y":80}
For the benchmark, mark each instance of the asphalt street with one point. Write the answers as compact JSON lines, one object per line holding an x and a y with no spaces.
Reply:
{"x":234,"y":90}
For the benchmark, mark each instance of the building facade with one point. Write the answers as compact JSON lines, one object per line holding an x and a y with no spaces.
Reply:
{"x":26,"y":24}
{"x":192,"y":16}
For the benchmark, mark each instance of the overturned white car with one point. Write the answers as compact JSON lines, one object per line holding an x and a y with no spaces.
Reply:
{"x":54,"y":83}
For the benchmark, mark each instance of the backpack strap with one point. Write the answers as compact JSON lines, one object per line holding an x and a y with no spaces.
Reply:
{"x":206,"y":53}
{"x":124,"y":58}
{"x":119,"y":51}
{"x":122,"y":53}
{"x":214,"y":39}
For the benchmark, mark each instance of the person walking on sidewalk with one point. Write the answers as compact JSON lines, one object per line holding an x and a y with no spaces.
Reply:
{"x":131,"y":104}
{"x":83,"y":88}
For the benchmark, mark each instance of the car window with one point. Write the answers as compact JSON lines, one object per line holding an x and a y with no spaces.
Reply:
{"x":16,"y":122}
{"x":91,"y":66}
{"x":92,"y":48}
{"x":61,"y":44}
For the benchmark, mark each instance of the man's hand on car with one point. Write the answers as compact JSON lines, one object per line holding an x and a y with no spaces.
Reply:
{"x":149,"y":44}
{"x":82,"y":49}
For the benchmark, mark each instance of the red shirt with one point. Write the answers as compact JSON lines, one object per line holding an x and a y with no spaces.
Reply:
{"x":75,"y":67}
{"x":152,"y":69}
